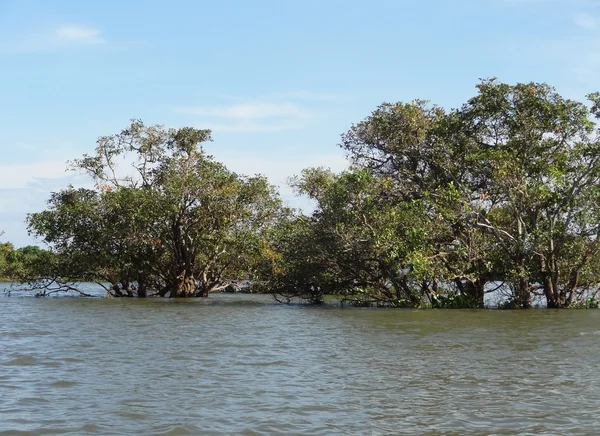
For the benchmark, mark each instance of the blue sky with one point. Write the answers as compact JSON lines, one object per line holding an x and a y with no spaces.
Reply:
{"x":277,"y":81}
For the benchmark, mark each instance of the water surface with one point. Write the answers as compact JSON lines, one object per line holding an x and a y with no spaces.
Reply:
{"x":242,"y":364}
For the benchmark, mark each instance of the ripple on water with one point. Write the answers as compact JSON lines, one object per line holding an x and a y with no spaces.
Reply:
{"x":21,"y":360}
{"x":175,"y":430}
{"x":241,"y":365}
{"x":64,"y":383}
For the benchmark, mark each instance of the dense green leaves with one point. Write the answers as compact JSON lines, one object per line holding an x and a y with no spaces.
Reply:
{"x":18,"y":263}
{"x":181,"y":225}
{"x":354,"y":241}
{"x":446,"y":206}
{"x":438,"y":208}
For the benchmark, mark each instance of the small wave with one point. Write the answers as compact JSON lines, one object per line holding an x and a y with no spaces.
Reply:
{"x":73,"y":360}
{"x":177,"y":430}
{"x":63,"y":383}
{"x":22,"y":360}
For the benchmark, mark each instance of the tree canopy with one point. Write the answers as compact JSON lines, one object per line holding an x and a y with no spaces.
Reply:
{"x":176,"y":224}
{"x":445,"y":206}
{"x":439,"y":207}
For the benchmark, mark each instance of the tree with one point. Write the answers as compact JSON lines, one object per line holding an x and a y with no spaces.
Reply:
{"x":179,"y":224}
{"x":355,"y":244}
{"x":17,"y":264}
{"x":543,"y":159}
{"x":419,"y":149}
{"x":296,"y":264}
{"x":6,"y":249}
{"x":509,"y":179}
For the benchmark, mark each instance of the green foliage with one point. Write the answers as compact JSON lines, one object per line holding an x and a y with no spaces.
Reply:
{"x":589,"y":303}
{"x":355,"y":244}
{"x":18,"y":263}
{"x":182,"y":225}
{"x":453,"y":300}
{"x":509,"y":304}
{"x":438,"y":204}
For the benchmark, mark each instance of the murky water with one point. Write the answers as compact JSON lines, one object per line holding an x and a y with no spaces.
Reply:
{"x":245,"y":365}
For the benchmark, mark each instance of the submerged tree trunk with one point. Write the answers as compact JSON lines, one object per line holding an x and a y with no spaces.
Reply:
{"x":185,"y":287}
{"x":476,"y":291}
{"x":555,"y":299}
{"x":404,"y":292}
{"x":204,"y":289}
{"x":141,"y":289}
{"x":551,"y":302}
{"x":523,"y":294}
{"x":121,"y":289}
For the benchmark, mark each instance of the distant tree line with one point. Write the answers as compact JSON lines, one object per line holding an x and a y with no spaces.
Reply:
{"x":20,"y":263}
{"x":437,"y":209}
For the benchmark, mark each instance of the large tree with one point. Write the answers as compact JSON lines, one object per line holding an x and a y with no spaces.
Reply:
{"x":355,"y":244}
{"x":542,"y":203}
{"x":175,"y":223}
{"x":511,"y":179}
{"x":419,"y":149}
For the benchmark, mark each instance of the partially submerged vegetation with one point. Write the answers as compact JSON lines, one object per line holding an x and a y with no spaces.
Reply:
{"x":17,"y":264}
{"x":437,"y":209}
{"x":180,"y":225}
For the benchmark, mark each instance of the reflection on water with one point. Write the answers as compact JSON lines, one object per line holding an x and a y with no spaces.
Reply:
{"x":236,"y":364}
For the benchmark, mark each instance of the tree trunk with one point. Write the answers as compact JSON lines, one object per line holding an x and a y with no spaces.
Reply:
{"x":551,"y":302}
{"x":204,"y":290}
{"x":116,"y":290}
{"x":185,"y":287}
{"x":476,"y":291}
{"x":126,"y":286}
{"x":407,"y":293}
{"x":141,"y":289}
{"x":523,"y":294}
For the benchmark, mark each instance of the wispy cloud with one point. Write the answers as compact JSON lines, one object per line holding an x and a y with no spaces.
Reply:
{"x":17,"y":176}
{"x":585,"y":21}
{"x":272,"y":126}
{"x":578,"y":59}
{"x":578,"y":53}
{"x":79,"y":35}
{"x":25,"y":188}
{"x":305,"y":95}
{"x":52,"y":39}
{"x":251,"y":111}
{"x":262,"y":115}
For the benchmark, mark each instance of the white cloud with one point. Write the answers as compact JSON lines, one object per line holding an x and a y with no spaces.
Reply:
{"x":279,"y":167}
{"x":578,"y":59}
{"x":52,"y":39}
{"x":17,"y":176}
{"x":254,"y":127}
{"x":271,"y":112}
{"x":79,"y":35}
{"x":307,"y":96}
{"x":585,"y":21}
{"x":250,"y":111}
{"x":265,"y":115}
{"x":25,"y":188}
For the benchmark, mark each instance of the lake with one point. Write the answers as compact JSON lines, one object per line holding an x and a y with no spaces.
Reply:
{"x":243,"y":364}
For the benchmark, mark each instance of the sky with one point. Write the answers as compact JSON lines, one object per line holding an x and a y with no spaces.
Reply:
{"x":277,"y":81}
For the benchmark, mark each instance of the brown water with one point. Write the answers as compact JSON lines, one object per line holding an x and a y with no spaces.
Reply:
{"x":244,"y":365}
